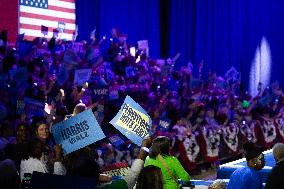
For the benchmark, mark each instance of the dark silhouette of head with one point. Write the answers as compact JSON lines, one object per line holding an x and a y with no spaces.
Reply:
{"x":161,"y":145}
{"x":150,"y":177}
{"x":254,"y":156}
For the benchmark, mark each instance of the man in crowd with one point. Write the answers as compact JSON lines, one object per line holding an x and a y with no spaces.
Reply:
{"x":249,"y":177}
{"x":276,"y":178}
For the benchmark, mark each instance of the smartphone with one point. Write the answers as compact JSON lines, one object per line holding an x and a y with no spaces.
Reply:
{"x":26,"y":183}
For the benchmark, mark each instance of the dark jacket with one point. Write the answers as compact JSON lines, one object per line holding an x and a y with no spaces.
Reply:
{"x":275,"y":179}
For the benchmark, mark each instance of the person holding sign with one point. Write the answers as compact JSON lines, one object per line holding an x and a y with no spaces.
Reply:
{"x":35,"y":162}
{"x":172,"y":170}
{"x":84,"y":165}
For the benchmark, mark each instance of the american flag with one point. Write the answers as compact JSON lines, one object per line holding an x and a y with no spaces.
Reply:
{"x":54,"y":14}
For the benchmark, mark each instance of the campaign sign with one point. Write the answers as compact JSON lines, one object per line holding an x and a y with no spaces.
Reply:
{"x":82,"y":76}
{"x":143,"y":44}
{"x":164,"y":124}
{"x":20,"y":107}
{"x":116,"y":140}
{"x":77,"y":132}
{"x":34,"y":107}
{"x":113,"y":94}
{"x":100,"y":92}
{"x":132,"y":121}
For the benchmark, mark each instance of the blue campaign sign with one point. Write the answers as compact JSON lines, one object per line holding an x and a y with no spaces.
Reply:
{"x":82,"y":76}
{"x":77,"y":132}
{"x":164,"y":124}
{"x":116,"y":140}
{"x":132,"y":121}
{"x":33,"y":107}
{"x":20,"y":107}
{"x":99,"y":92}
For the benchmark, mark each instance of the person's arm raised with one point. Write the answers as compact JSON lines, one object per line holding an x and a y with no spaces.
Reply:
{"x":59,"y":168}
{"x":138,"y":164}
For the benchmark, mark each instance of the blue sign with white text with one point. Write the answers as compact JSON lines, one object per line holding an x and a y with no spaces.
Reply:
{"x":77,"y":132}
{"x":164,"y":124}
{"x":33,"y":107}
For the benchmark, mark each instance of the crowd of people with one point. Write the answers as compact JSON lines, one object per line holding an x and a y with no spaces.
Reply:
{"x":206,"y":119}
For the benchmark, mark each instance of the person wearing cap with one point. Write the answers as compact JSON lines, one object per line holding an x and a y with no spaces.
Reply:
{"x":248,"y":177}
{"x":276,"y":177}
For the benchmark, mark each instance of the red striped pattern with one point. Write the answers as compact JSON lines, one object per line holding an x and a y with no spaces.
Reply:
{"x":50,"y":17}
{"x":33,"y":27}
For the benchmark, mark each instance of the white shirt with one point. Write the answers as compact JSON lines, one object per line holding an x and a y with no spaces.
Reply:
{"x":33,"y":164}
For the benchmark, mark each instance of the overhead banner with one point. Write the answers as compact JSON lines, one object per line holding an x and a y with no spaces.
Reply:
{"x":77,"y":132}
{"x":132,"y":121}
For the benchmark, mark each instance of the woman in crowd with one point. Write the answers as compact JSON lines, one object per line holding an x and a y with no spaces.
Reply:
{"x":150,"y":177}
{"x":82,"y":163}
{"x":34,"y":160}
{"x":18,"y":151}
{"x":42,"y":131}
{"x":171,"y":168}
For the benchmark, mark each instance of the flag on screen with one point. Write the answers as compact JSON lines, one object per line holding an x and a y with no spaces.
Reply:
{"x":50,"y":13}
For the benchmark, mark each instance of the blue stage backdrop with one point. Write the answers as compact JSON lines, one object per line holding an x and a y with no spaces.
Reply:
{"x":224,"y":33}
{"x":139,"y":19}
